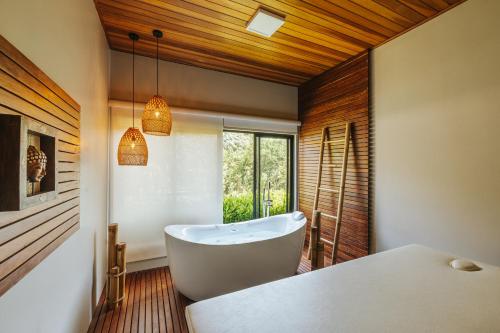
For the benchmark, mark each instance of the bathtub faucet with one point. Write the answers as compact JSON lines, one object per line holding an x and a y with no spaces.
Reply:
{"x":267,"y":203}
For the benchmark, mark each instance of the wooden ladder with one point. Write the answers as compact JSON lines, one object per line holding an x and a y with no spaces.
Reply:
{"x":316,"y":242}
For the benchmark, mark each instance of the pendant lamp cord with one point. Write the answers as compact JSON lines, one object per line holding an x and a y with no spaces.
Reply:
{"x":157,"y":66}
{"x":133,"y":83}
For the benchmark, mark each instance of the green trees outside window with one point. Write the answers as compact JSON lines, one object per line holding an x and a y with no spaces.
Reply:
{"x":251,"y":160}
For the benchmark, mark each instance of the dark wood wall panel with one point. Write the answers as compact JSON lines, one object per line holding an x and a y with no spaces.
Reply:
{"x":331,"y":99}
{"x":28,"y":236}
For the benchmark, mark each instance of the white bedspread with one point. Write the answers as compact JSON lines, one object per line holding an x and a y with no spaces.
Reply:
{"x":409,"y":289}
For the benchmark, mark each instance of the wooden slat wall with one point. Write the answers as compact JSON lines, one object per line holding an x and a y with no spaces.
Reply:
{"x":30,"y":235}
{"x":331,"y":99}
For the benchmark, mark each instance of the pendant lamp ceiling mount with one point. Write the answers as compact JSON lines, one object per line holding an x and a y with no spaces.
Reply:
{"x":157,"y":33}
{"x":133,"y":36}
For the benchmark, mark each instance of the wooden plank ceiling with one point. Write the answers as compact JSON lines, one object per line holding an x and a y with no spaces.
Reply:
{"x":316,"y":35}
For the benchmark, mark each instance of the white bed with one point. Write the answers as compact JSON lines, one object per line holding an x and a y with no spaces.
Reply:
{"x":409,"y":289}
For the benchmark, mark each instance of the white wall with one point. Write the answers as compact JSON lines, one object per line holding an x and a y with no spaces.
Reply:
{"x":65,"y":39}
{"x":437,"y":117}
{"x":193,"y":87}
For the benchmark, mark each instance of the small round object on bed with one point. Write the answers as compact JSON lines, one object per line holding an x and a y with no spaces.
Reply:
{"x":464,"y":265}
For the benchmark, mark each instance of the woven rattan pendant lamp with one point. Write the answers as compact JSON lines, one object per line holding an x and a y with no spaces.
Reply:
{"x":157,"y":119}
{"x":133,"y":149}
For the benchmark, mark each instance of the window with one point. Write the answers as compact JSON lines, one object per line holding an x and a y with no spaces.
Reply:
{"x":253,"y":163}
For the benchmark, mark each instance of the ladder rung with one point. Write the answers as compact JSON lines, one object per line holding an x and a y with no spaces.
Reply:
{"x":326,"y":241}
{"x":329,"y":216}
{"x":330,"y":165}
{"x":334,"y":141}
{"x":328,"y":190}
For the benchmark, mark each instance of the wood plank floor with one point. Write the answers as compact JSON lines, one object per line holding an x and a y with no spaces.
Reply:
{"x":151,"y":304}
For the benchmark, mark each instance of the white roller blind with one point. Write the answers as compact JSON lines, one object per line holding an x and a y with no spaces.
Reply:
{"x":261,"y":125}
{"x":182,"y":183}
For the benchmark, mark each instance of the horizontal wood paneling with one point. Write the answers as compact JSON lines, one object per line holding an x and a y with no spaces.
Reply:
{"x":14,"y":54}
{"x":11,"y":231}
{"x":29,"y":235}
{"x":14,"y":70}
{"x":316,"y":35}
{"x":331,"y":99}
{"x":28,"y":265}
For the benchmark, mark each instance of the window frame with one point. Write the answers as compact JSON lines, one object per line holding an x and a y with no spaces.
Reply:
{"x":291,"y":168}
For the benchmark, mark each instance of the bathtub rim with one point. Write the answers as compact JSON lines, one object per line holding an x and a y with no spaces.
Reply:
{"x":301,"y":223}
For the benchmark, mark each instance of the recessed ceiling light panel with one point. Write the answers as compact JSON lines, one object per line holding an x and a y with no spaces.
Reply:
{"x":265,"y":23}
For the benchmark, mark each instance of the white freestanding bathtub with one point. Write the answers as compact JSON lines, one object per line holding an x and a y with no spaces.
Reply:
{"x":211,"y":260}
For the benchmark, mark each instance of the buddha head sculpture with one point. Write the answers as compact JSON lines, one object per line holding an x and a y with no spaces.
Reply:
{"x":37,"y":164}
